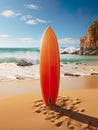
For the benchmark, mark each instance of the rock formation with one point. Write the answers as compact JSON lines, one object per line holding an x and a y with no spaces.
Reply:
{"x":89,"y":43}
{"x":24,"y":63}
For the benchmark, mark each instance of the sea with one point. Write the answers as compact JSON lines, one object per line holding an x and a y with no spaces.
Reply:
{"x":9,"y":57}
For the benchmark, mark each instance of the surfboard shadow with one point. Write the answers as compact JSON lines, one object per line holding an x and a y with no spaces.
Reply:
{"x":75,"y":115}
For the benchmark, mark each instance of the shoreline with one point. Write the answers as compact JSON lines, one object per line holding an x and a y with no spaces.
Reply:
{"x":10,"y":71}
{"x":25,"y":92}
{"x":18,"y":87}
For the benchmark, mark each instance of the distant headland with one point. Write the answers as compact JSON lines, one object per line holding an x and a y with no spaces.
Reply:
{"x":89,"y":43}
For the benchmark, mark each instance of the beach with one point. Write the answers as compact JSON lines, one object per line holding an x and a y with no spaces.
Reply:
{"x":22,"y":107}
{"x":21,"y":102}
{"x":42,"y":43}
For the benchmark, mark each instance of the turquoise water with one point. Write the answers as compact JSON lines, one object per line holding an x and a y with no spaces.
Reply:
{"x":14,"y":55}
{"x":10,"y":56}
{"x":11,"y":50}
{"x":77,"y":58}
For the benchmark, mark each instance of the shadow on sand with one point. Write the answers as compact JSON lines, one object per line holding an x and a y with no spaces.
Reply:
{"x":76,"y":116}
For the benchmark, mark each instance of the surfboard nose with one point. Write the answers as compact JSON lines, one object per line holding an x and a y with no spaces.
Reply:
{"x":49,"y":28}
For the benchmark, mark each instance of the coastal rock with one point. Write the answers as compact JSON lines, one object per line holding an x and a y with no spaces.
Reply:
{"x":94,"y":73}
{"x":70,"y":74}
{"x":24,"y":63}
{"x":78,"y":63}
{"x":20,"y":78}
{"x":89,"y":43}
{"x":64,"y":52}
{"x":65,"y":62}
{"x":76,"y":52}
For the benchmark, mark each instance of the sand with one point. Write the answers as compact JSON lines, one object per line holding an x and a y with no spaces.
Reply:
{"x":25,"y":110}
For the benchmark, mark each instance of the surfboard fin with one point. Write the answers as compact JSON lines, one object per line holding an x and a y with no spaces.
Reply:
{"x":49,"y":100}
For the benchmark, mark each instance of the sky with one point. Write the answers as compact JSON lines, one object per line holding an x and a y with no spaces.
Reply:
{"x":23,"y":22}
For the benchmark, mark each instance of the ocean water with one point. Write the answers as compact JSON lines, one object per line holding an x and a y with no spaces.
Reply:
{"x":14,"y":55}
{"x":9,"y":57}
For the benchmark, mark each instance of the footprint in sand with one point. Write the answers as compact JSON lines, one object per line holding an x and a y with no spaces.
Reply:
{"x":59,"y":114}
{"x":55,"y":116}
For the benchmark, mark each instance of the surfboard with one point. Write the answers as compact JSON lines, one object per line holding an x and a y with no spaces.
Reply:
{"x":49,"y":67}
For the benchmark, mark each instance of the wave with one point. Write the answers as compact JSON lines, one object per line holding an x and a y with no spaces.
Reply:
{"x":10,"y":71}
{"x":71,"y":58}
{"x":68,"y":50}
{"x":32,"y":55}
{"x":16,"y":60}
{"x":14,"y":55}
{"x":6,"y":50}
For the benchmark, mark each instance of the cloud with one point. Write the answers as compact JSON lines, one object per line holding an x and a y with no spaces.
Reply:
{"x":42,"y":21}
{"x":29,"y":40}
{"x":68,"y":40}
{"x":31,"y":22}
{"x":9,"y":14}
{"x":32,"y":6}
{"x":4,"y":36}
{"x":18,"y":14}
{"x":26,"y":17}
{"x":36,"y":21}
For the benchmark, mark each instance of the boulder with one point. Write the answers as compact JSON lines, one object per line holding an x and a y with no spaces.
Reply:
{"x":64,"y":52}
{"x":94,"y":73}
{"x":24,"y":63}
{"x":76,"y":52}
{"x":20,"y":78}
{"x":70,"y":74}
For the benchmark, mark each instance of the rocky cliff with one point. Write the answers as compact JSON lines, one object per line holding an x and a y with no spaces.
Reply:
{"x":89,"y":43}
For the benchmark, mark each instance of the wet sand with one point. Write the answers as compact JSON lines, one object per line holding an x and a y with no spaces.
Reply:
{"x":15,"y":87}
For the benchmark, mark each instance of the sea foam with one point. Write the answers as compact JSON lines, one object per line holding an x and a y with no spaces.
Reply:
{"x":68,"y":50}
{"x":10,"y":71}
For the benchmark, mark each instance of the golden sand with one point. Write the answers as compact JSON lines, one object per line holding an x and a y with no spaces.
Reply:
{"x":75,"y":108}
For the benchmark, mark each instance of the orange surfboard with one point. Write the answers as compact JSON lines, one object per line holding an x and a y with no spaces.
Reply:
{"x":49,"y":67}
